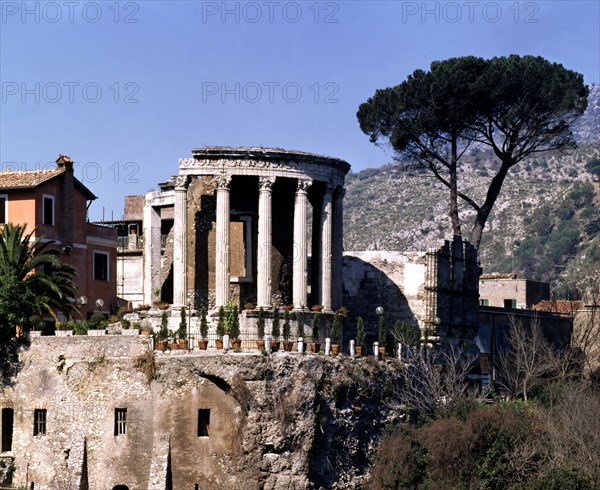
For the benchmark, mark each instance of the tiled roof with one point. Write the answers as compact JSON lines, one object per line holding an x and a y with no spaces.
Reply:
{"x":498,"y":275}
{"x":10,"y":179}
{"x":559,"y":306}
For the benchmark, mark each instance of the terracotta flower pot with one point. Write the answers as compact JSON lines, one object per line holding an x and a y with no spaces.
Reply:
{"x":161,"y":345}
{"x":219,"y":343}
{"x":381,"y":352}
{"x":274,"y":346}
{"x":314,"y":347}
{"x":288,"y":345}
{"x":358,"y":350}
{"x":260,"y":344}
{"x":174,"y":346}
{"x":183,"y":344}
{"x":202,"y":344}
{"x":236,"y":344}
{"x":335,"y":349}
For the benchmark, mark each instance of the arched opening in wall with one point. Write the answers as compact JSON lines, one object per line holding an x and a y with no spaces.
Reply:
{"x":120,"y":487}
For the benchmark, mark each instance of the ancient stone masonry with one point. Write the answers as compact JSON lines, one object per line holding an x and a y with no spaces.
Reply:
{"x":434,"y":290}
{"x":117,"y":414}
{"x":253,"y":245}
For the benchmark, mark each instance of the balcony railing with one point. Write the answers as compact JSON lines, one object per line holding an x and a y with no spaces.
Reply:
{"x":130,"y":243}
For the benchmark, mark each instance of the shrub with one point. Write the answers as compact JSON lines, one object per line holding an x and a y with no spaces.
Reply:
{"x":360,"y":331}
{"x":335,"y":328}
{"x":299,"y":324}
{"x":163,"y":333}
{"x":316,"y":327}
{"x":182,"y":331}
{"x":234,"y":323}
{"x":275,"y":329}
{"x":203,"y":324}
{"x":221,"y":323}
{"x":80,"y":328}
{"x":260,"y":324}
{"x":286,"y":325}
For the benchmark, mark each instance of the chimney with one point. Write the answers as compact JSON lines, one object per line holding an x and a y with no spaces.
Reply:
{"x":64,"y":161}
{"x":65,"y":202}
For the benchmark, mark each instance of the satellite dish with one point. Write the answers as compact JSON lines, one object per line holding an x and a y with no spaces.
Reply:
{"x":82,"y":300}
{"x":99,"y":303}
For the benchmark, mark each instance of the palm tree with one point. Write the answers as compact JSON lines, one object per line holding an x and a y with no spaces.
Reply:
{"x":32,"y":279}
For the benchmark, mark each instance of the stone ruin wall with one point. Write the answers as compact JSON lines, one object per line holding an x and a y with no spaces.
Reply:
{"x":288,"y":421}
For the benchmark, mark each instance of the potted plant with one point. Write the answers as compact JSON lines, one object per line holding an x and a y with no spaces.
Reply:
{"x":287,"y":343}
{"x":275,"y":330}
{"x":143,"y":308}
{"x":314,"y":345}
{"x":36,"y":326}
{"x":182,"y":331}
{"x":382,"y":336}
{"x":342,"y":310}
{"x":80,"y":328}
{"x":260,"y":329}
{"x":129,"y":329}
{"x":163,"y":333}
{"x":335,"y":333}
{"x":249,"y":306}
{"x":147,"y":330}
{"x":234,"y":329}
{"x":317,"y":308}
{"x":220,"y":328}
{"x":288,"y":307}
{"x":300,"y":327}
{"x":63,"y":329}
{"x":173,"y":342}
{"x":360,"y":336}
{"x":203,"y":344}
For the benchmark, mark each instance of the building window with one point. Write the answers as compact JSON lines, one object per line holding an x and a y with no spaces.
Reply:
{"x":101,"y":266}
{"x":3,"y":209}
{"x":8,"y":417}
{"x":120,"y":421}
{"x":203,"y":422}
{"x":510,"y":303}
{"x":484,"y":302}
{"x":39,"y":422}
{"x":48,"y":210}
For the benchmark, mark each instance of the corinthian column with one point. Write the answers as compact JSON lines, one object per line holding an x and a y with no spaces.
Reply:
{"x":300,"y":278}
{"x":180,"y":242}
{"x":338,"y":247}
{"x":222,"y":241}
{"x":326,"y":242}
{"x":265,"y":239}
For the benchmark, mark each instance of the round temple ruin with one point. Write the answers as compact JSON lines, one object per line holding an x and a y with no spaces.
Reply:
{"x":247,"y":225}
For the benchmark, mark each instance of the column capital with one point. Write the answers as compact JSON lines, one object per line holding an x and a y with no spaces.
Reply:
{"x":303,"y":185}
{"x":340,"y":192}
{"x":266,"y":183}
{"x":223,"y":181}
{"x":181,"y":182}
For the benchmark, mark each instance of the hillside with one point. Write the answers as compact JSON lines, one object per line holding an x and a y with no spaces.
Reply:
{"x":545,"y":218}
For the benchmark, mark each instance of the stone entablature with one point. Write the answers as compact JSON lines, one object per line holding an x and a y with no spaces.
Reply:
{"x":264,"y":162}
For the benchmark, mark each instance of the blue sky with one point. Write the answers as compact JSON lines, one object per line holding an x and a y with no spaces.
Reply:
{"x":127,"y":88}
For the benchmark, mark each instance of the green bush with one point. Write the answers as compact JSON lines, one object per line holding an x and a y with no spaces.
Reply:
{"x":275,"y":329}
{"x":203,"y":324}
{"x":163,"y":333}
{"x":260,"y":324}
{"x":360,"y":331}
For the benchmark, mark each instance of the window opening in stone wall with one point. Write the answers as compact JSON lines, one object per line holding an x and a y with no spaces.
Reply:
{"x":8,"y":417}
{"x":48,"y":210}
{"x":39,"y":422}
{"x":101,"y":266}
{"x":203,"y":422}
{"x":120,"y":421}
{"x":484,"y":302}
{"x":510,"y":303}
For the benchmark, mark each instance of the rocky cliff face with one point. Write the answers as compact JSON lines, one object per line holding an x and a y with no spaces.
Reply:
{"x":288,"y":421}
